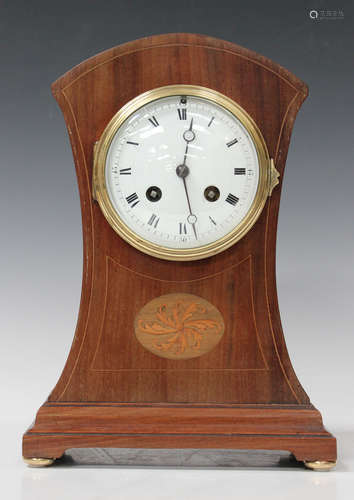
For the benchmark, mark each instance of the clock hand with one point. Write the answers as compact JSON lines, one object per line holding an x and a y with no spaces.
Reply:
{"x":191,"y":215}
{"x":188,"y":136}
{"x":182,"y":171}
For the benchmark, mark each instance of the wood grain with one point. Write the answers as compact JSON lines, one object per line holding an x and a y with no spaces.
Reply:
{"x":107,"y":364}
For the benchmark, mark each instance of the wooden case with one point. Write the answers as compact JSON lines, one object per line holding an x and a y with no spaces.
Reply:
{"x":242,"y":394}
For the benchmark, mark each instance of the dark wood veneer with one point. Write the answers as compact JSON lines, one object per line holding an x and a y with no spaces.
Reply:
{"x":113,"y":392}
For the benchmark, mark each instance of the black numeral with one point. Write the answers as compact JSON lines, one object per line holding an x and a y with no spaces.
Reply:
{"x":231,"y":143}
{"x":182,"y":228}
{"x":211,"y":121}
{"x":154,"y":220}
{"x":154,"y":122}
{"x":132,"y":199}
{"x":182,"y":113}
{"x":125,"y":171}
{"x":212,"y":220}
{"x":232,"y":199}
{"x":133,"y":143}
{"x":239,"y":171}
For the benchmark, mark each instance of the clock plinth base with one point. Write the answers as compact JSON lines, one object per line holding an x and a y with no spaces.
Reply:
{"x":297,"y":429}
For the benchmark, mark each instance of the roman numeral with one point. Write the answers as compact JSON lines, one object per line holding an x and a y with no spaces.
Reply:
{"x":211,"y":121}
{"x":125,"y":171}
{"x":154,"y":220}
{"x":239,"y":171}
{"x":182,"y":228}
{"x":154,"y":122}
{"x":182,"y":113}
{"x":132,"y":199}
{"x":133,"y":143}
{"x":231,"y":143}
{"x":212,"y":220}
{"x":232,"y":199}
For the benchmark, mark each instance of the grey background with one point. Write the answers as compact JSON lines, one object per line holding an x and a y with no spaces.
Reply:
{"x":41,"y":259}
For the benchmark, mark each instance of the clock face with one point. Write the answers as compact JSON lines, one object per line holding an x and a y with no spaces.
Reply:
{"x":181,"y":172}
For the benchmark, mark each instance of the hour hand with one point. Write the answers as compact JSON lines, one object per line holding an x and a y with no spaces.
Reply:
{"x":189,"y":135}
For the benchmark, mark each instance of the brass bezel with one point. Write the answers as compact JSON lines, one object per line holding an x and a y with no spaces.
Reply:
{"x":100,"y":191}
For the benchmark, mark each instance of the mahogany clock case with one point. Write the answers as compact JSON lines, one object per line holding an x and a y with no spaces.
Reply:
{"x":113,"y":392}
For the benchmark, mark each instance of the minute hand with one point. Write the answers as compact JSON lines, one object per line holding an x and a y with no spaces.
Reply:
{"x":189,"y":206}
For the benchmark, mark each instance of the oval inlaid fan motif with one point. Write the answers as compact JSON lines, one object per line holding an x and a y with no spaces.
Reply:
{"x":179,"y":326}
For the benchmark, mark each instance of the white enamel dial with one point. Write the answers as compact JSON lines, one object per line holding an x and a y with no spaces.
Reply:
{"x":182,"y":172}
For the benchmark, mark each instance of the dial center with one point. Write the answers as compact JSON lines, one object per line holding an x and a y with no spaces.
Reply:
{"x":182,"y":171}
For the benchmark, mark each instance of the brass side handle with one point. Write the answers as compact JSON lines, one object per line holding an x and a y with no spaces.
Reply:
{"x":274,"y":177}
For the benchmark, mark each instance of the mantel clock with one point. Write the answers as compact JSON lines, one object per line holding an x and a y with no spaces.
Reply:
{"x":180,"y":143}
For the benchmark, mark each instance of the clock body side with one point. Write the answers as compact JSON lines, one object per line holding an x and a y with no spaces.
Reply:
{"x":249,"y":370}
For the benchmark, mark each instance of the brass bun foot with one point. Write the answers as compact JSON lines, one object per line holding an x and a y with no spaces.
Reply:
{"x":320,"y":465}
{"x":39,"y":462}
